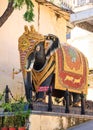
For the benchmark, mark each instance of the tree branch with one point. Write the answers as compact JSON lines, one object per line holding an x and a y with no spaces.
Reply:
{"x":7,"y":13}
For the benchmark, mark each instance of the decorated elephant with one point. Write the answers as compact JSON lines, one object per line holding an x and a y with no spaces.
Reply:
{"x":48,"y":65}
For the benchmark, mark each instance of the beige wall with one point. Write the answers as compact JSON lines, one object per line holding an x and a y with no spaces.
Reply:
{"x":51,"y":122}
{"x":9,"y":34}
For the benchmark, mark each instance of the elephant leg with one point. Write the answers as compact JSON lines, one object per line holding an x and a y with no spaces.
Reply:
{"x":28,"y":92}
{"x":76,"y":99}
{"x":40,"y":96}
{"x":68,"y":95}
{"x":70,"y":99}
{"x":28,"y":87}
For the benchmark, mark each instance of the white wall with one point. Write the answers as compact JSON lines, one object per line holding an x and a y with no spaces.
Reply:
{"x":83,"y":40}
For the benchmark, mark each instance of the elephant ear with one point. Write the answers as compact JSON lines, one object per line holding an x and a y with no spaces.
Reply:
{"x":53,"y":44}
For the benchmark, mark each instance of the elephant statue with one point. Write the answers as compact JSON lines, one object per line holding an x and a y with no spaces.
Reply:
{"x":48,"y":65}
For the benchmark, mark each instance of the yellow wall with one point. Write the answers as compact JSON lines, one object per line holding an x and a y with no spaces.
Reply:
{"x":9,"y":34}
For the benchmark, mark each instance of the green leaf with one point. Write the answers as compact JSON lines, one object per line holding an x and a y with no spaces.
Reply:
{"x":7,"y":107}
{"x":18,"y":4}
{"x":28,"y":16}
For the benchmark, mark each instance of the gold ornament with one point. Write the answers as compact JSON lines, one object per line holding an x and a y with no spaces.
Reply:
{"x":30,"y":38}
{"x":24,"y":44}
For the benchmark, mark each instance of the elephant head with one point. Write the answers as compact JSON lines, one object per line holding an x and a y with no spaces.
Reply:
{"x":42,"y":52}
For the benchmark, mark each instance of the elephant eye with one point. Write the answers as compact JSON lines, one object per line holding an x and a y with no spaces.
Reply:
{"x":38,"y":48}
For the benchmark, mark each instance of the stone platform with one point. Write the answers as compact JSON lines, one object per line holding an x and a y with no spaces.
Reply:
{"x":57,"y":109}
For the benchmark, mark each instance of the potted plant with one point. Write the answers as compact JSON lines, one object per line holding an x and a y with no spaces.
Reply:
{"x":5,"y":124}
{"x":22,"y":113}
{"x":5,"y":120}
{"x":11,"y":122}
{"x":8,"y":123}
{"x":21,"y":117}
{"x":20,"y":122}
{"x":1,"y":124}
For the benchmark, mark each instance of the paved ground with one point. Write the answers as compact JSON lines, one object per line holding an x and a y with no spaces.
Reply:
{"x":85,"y":126}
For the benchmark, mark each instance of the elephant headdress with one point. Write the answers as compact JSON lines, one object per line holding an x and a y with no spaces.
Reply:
{"x":27,"y":42}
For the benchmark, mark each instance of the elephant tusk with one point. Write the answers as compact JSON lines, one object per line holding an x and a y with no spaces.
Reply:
{"x":28,"y":70}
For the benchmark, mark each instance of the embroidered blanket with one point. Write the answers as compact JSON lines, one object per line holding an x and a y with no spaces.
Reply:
{"x":71,"y":70}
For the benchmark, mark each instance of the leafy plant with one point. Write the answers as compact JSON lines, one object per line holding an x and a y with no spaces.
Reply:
{"x":28,"y":15}
{"x":20,"y":119}
{"x":7,"y":107}
{"x":9,"y":121}
{"x":5,"y":121}
{"x":21,"y":112}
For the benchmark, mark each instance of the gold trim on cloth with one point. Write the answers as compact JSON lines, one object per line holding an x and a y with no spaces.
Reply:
{"x":39,"y":77}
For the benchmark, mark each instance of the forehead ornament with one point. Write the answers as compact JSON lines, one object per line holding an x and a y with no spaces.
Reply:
{"x":29,"y":39}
